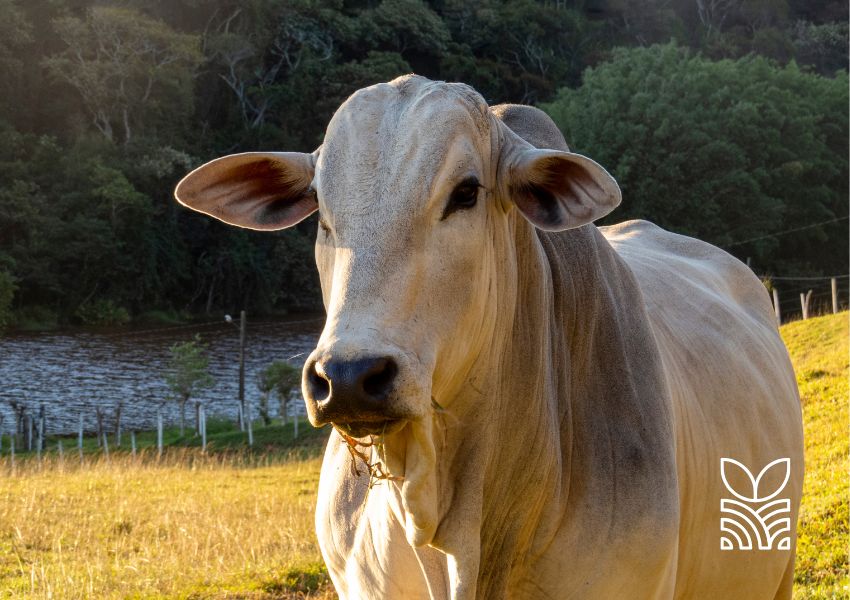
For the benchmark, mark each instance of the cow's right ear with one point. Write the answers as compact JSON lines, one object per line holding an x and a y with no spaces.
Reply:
{"x":554,"y":189}
{"x":256,"y":190}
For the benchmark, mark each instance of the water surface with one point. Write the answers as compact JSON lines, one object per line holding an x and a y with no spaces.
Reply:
{"x":71,"y":373}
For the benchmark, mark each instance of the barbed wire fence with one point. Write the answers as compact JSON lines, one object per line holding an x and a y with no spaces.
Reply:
{"x":807,"y":296}
{"x":802,"y":295}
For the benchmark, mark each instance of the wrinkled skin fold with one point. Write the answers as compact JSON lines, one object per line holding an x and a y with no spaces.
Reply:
{"x":554,"y":398}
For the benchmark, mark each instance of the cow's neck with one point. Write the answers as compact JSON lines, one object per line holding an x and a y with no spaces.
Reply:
{"x":505,"y":449}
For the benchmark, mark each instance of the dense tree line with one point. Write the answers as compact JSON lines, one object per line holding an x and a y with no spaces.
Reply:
{"x":726,"y":151}
{"x":734,"y":130}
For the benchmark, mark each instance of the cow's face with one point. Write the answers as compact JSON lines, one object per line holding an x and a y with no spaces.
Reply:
{"x":414,"y":185}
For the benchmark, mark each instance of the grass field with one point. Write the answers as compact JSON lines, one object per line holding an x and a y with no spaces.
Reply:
{"x":819,"y":348}
{"x":233,"y":524}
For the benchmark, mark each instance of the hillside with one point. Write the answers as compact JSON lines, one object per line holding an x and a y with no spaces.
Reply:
{"x":819,"y":350}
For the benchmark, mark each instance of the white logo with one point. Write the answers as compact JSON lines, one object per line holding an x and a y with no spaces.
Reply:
{"x":754,"y":515}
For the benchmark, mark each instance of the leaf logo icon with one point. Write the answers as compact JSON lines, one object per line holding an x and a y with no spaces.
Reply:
{"x":754,"y":515}
{"x":731,"y":464}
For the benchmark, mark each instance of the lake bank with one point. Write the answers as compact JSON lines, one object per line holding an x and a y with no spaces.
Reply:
{"x":74,"y":373}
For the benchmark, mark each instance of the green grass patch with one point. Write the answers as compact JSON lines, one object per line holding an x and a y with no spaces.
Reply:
{"x":223,"y":436}
{"x":820,"y":351}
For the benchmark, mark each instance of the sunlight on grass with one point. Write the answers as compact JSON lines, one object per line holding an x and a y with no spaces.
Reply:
{"x":189,"y":527}
{"x":819,"y":349}
{"x":238,"y":525}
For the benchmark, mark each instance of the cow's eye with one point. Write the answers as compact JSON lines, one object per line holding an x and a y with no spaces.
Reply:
{"x":464,"y":196}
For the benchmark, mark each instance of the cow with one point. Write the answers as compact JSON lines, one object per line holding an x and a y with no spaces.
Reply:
{"x":524,"y":405}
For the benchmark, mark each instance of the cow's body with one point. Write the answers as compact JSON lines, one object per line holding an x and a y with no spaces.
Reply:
{"x":733,"y":393}
{"x":623,"y":513}
{"x":556,"y":405}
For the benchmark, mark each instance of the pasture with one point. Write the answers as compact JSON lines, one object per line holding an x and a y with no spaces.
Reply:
{"x":233,"y":525}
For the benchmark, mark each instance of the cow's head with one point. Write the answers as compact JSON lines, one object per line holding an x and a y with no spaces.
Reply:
{"x":415,"y":184}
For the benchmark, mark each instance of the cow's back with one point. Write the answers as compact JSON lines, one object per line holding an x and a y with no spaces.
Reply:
{"x":734,"y":395}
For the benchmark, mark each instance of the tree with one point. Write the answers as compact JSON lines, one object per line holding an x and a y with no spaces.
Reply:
{"x":405,"y":26}
{"x":107,"y":104}
{"x":824,"y":47}
{"x":7,"y":292}
{"x":281,"y":378}
{"x":517,"y":51}
{"x":15,"y":34}
{"x":726,"y":151}
{"x":188,"y":373}
{"x":124,"y":65}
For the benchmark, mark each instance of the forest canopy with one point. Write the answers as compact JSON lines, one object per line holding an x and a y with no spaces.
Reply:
{"x":723,"y":120}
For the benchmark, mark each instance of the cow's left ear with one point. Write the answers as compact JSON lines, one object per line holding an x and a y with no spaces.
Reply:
{"x":256,"y":190}
{"x":558,"y":190}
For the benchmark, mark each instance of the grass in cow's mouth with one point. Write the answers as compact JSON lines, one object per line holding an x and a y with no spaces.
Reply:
{"x":377,"y":471}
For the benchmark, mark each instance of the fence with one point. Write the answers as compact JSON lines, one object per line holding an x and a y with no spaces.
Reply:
{"x":804,"y":297}
{"x":28,"y":433}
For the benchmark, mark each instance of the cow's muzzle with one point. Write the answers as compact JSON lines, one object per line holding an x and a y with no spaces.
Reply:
{"x":352,"y":394}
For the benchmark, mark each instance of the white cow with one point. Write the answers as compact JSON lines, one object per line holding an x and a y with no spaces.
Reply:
{"x":551,"y":401}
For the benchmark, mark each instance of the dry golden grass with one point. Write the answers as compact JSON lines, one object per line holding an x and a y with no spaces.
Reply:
{"x":192,"y":526}
{"x":188,"y":527}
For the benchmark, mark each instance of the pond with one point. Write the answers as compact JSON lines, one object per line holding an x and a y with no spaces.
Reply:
{"x":71,"y":373}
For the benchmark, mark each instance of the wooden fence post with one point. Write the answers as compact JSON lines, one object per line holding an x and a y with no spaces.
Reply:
{"x":242,"y":327}
{"x":804,"y":303}
{"x":202,"y":417}
{"x":28,"y":419}
{"x":60,"y":450}
{"x":776,"y":308}
{"x":80,"y":438}
{"x":133,"y":443}
{"x":159,"y":433}
{"x":40,"y":440}
{"x":296,"y":418}
{"x":99,"y":432}
{"x":834,"y":283}
{"x":248,"y":422}
{"x":118,"y":425}
{"x":41,"y":429}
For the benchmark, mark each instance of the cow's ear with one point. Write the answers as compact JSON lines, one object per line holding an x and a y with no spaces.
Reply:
{"x":558,"y":190}
{"x":256,"y":190}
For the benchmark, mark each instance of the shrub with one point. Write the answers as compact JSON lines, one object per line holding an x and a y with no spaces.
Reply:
{"x":102,"y":312}
{"x":281,"y":378}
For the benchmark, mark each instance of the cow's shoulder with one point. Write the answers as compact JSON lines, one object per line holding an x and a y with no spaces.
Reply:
{"x":671,"y":266}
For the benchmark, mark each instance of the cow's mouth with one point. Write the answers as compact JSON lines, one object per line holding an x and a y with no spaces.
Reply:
{"x":359,"y":429}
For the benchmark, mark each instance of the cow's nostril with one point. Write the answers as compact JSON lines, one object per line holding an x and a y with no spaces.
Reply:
{"x":380,"y":377}
{"x":357,"y":389}
{"x":318,"y":386}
